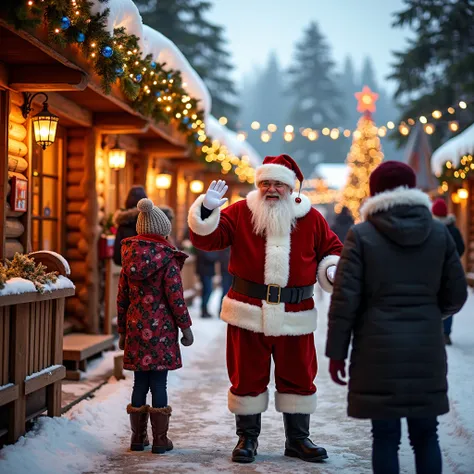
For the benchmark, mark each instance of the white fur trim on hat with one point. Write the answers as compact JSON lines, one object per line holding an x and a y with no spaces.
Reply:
{"x":293,"y":403}
{"x":276,"y":173}
{"x":401,"y":196}
{"x":247,"y":405}
{"x":323,"y":265}
{"x":202,"y":226}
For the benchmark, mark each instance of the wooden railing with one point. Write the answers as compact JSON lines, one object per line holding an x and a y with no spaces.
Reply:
{"x":31,"y":349}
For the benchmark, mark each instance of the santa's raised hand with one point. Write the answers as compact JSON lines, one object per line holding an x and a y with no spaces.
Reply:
{"x":214,"y":195}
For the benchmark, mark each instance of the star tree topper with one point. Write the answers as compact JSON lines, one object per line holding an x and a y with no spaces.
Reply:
{"x":366,"y":100}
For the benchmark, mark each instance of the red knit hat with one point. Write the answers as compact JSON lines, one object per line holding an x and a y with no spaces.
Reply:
{"x":391,"y":175}
{"x":439,"y":209}
{"x":279,"y":168}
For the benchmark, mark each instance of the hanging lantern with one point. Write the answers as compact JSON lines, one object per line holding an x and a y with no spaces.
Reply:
{"x":45,"y":123}
{"x":196,"y":186}
{"x":163,"y":181}
{"x":117,"y":157}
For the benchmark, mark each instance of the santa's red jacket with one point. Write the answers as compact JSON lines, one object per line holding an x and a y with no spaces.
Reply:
{"x":294,"y":260}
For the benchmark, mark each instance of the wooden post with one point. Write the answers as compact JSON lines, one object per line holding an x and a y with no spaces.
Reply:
{"x":108,"y":308}
{"x":118,"y":367}
{"x":4,"y":120}
{"x":20,"y":315}
{"x":54,"y":390}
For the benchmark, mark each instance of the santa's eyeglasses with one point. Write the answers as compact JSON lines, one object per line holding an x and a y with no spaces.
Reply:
{"x":268,"y":184}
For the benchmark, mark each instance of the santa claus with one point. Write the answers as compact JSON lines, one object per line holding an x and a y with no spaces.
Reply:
{"x":280,"y":246}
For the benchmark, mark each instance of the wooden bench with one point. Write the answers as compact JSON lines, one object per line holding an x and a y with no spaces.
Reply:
{"x":78,"y":348}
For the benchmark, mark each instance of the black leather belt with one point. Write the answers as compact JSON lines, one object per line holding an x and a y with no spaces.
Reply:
{"x":272,"y":294}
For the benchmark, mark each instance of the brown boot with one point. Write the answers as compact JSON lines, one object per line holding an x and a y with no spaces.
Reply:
{"x":160,"y":418}
{"x":139,"y":423}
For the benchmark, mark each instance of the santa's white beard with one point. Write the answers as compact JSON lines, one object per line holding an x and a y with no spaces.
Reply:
{"x":273,"y":217}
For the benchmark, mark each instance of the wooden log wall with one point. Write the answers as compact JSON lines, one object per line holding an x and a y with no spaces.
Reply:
{"x":16,"y":228}
{"x":82,"y":227}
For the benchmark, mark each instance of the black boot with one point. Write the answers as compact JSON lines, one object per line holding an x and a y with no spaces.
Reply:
{"x":248,"y":429}
{"x":298,"y":444}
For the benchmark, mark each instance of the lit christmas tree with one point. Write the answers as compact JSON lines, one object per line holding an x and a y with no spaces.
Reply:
{"x":364,"y":156}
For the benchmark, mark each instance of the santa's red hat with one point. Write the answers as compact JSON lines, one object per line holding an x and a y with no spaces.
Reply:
{"x":281,"y":168}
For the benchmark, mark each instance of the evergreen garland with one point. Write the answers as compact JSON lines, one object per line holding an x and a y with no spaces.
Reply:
{"x":154,"y":91}
{"x":25,"y":267}
{"x":457,"y":174}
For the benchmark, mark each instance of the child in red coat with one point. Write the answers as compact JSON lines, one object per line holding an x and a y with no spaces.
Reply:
{"x":151,"y":308}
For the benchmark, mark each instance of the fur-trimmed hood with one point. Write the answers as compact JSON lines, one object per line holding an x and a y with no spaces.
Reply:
{"x":126,"y":217}
{"x":448,"y":220}
{"x":403,"y":215}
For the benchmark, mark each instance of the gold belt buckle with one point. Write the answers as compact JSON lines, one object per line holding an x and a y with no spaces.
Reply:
{"x":269,"y":287}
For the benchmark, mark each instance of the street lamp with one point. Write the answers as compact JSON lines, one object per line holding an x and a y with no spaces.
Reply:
{"x":45,"y":123}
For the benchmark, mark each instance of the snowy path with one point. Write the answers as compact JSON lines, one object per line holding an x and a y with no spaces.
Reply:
{"x":95,"y":436}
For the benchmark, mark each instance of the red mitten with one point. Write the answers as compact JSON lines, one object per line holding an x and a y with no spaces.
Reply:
{"x":337,"y":367}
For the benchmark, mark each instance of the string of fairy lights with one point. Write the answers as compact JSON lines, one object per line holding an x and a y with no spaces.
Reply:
{"x":429,"y":122}
{"x":154,"y":91}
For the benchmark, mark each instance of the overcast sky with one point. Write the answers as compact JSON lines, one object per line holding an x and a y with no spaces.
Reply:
{"x":356,"y":27}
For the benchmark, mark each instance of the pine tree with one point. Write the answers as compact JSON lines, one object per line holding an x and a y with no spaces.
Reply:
{"x":348,"y":84}
{"x":315,"y":101}
{"x":386,"y":108}
{"x":266,"y":102}
{"x":437,"y":68}
{"x":202,"y":43}
{"x":364,"y":156}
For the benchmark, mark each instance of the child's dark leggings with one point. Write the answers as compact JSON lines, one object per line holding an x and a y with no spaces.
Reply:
{"x":154,"y":380}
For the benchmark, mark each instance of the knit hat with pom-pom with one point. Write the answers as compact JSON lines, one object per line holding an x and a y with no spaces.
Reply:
{"x":152,"y":220}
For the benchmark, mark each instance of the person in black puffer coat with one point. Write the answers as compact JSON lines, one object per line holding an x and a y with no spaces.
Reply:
{"x":398,"y":276}
{"x":440,"y":212}
{"x":126,"y":220}
{"x":342,"y":223}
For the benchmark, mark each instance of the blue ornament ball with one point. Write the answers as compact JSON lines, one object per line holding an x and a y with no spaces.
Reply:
{"x":65,"y":23}
{"x":81,"y":37}
{"x":153,"y":65}
{"x":185,"y":119}
{"x":138,"y":78}
{"x":158,"y":94}
{"x":107,"y":51}
{"x":119,"y":71}
{"x":170,"y":75}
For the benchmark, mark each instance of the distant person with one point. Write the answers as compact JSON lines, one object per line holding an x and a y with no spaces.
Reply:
{"x":206,"y":270}
{"x":398,"y":276}
{"x":226,"y":277}
{"x":126,"y":219}
{"x":342,"y":223}
{"x":440,"y":212}
{"x":169,"y":213}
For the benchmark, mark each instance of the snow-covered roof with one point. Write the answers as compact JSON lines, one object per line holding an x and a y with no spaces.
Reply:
{"x":124,"y":13}
{"x":453,"y":150}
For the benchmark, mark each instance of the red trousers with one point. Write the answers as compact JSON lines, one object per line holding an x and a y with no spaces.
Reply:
{"x":248,"y":363}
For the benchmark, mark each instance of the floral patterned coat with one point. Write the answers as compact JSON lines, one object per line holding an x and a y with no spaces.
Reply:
{"x":150,"y":303}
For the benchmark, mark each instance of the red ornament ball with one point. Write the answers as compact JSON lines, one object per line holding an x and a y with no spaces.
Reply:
{"x":298,"y":200}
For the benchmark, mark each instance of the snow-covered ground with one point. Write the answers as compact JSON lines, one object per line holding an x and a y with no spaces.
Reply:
{"x":93,"y":437}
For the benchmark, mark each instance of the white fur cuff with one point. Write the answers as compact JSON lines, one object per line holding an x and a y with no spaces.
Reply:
{"x":198,"y":225}
{"x":292,"y":403}
{"x":324,"y":264}
{"x":248,"y":405}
